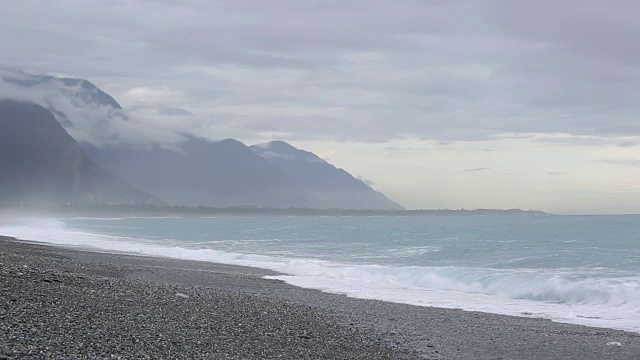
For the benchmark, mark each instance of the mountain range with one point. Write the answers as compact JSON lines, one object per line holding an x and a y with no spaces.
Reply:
{"x":330,"y":187}
{"x":41,"y":163}
{"x":41,"y":160}
{"x":220,"y":174}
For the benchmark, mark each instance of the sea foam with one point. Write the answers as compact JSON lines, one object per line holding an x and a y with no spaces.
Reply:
{"x":557,"y":295}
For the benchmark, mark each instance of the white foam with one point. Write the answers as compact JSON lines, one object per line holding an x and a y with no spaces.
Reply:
{"x":604,"y":302}
{"x":98,"y":218}
{"x":124,"y":218}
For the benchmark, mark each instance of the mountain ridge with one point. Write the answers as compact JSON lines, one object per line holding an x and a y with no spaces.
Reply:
{"x":91,"y":92}
{"x":197,"y":171}
{"x":200,"y":172}
{"x":41,"y":163}
{"x":332,"y":187}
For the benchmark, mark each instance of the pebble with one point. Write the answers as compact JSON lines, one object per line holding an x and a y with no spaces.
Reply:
{"x":101,"y":317}
{"x":80,"y":314}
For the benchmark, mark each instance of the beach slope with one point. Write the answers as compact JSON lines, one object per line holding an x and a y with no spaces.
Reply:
{"x":57,"y":302}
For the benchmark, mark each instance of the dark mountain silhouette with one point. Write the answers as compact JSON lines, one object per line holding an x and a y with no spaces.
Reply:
{"x":40,"y":163}
{"x":219,"y":174}
{"x":331,"y":187}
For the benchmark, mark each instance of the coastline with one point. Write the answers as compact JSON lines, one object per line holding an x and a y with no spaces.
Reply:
{"x":129,"y":306}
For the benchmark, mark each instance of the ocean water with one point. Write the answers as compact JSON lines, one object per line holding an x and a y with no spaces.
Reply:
{"x":574,"y":269}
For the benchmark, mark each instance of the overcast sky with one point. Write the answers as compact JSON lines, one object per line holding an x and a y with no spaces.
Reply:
{"x":530,"y":104}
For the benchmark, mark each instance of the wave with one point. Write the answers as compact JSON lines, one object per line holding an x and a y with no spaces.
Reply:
{"x":612,"y":302}
{"x":98,"y":218}
{"x":123,"y":218}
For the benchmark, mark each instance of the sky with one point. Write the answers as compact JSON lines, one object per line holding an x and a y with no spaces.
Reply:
{"x":438,"y":104}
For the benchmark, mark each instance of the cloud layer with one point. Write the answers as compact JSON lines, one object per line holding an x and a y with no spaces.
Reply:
{"x":347,"y":70}
{"x":87,"y":120}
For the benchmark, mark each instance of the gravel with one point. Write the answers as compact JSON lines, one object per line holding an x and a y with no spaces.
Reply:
{"x":68,"y":304}
{"x":59,"y":314}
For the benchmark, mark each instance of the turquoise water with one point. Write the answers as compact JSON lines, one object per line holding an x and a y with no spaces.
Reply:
{"x":577,"y":269}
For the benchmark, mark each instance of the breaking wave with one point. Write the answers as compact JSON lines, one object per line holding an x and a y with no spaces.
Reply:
{"x":567,"y":296}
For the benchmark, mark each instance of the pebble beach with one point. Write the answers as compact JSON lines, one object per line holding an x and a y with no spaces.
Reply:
{"x":62,"y":303}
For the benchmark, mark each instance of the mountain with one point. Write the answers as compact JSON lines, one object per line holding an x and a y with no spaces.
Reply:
{"x":196,"y":171}
{"x":87,"y":113}
{"x":80,"y":88}
{"x":331,"y":187}
{"x":40,"y":163}
{"x":218,"y":174}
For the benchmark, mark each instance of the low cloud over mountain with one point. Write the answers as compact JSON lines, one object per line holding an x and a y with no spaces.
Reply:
{"x":184,"y":169}
{"x":89,"y":114}
{"x":41,"y":164}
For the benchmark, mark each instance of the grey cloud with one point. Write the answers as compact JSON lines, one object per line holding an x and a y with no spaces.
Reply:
{"x":620,"y":141}
{"x":476,"y":169}
{"x":87,"y":121}
{"x":400,"y":148}
{"x":554,"y":173}
{"x":575,"y":140}
{"x":167,"y":111}
{"x":176,"y":112}
{"x":360,"y":70}
{"x":621,"y":161}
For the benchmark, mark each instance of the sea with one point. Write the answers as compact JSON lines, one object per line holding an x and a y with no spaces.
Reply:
{"x":572,"y":269}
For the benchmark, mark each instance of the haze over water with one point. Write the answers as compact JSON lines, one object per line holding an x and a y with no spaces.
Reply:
{"x":575,"y":269}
